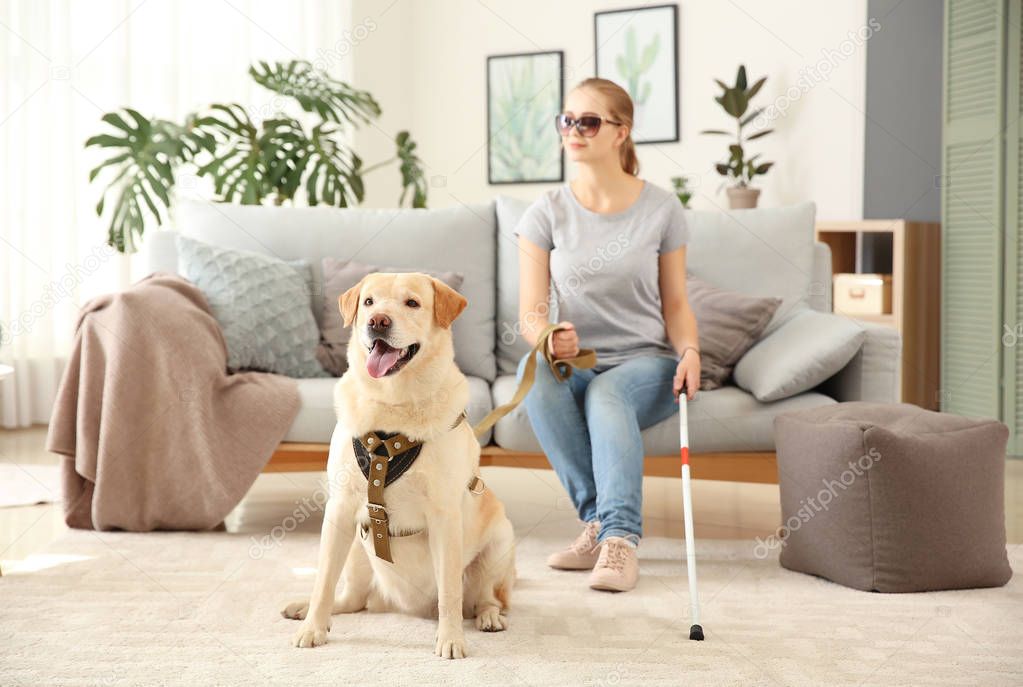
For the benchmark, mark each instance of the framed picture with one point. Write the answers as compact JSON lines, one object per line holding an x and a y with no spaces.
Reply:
{"x":524,"y":93}
{"x":638,"y":49}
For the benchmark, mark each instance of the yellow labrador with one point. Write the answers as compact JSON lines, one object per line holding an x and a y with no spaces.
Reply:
{"x":402,"y":377}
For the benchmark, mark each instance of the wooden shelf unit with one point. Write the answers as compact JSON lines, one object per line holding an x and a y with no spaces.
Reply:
{"x":916,"y":295}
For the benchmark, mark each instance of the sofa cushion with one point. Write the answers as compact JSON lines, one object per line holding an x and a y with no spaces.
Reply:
{"x":338,"y":277}
{"x":728,"y":324}
{"x":803,"y":352}
{"x":316,"y":419}
{"x":760,"y":252}
{"x":725,"y":419}
{"x":459,"y":239}
{"x":260,"y":303}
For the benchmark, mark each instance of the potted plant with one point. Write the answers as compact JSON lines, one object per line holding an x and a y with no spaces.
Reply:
{"x":250,"y":162}
{"x":681,"y":186}
{"x":735,"y":101}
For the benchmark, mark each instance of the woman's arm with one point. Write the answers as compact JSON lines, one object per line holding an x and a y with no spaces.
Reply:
{"x":534,"y":291}
{"x":534,"y":296}
{"x":679,"y":320}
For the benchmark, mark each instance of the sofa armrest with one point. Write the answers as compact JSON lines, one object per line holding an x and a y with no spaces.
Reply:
{"x":873,"y":373}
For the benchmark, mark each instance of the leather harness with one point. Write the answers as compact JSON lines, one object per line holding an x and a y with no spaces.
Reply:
{"x":383,"y":457}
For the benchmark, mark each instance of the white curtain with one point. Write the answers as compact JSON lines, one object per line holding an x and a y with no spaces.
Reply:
{"x":63,"y":63}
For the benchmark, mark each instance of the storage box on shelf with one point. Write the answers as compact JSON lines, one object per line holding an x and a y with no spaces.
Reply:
{"x":915,"y":268}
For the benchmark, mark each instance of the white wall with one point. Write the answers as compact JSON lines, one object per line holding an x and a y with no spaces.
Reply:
{"x":425,"y":62}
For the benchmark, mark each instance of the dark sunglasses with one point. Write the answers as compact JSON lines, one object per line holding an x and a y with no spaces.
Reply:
{"x":587,"y":125}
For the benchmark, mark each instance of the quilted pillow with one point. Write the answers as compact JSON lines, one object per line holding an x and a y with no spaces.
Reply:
{"x":338,"y":277}
{"x":261,"y":304}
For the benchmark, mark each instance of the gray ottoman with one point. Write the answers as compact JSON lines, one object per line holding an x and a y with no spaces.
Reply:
{"x":889,"y":497}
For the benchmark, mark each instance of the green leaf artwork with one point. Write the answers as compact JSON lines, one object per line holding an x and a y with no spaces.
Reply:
{"x":633,"y":64}
{"x":524,"y":96}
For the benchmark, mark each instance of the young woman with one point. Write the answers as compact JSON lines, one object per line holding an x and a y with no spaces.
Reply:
{"x":613,"y":247}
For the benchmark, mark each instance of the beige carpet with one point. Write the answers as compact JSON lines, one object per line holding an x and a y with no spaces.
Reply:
{"x":197,"y":609}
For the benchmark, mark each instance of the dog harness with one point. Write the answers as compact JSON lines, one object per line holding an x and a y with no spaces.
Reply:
{"x":383,"y":457}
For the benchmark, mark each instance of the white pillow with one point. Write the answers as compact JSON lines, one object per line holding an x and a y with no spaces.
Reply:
{"x":807,"y":349}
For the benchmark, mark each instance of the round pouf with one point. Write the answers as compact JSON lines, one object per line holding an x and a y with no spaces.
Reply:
{"x":890,"y":497}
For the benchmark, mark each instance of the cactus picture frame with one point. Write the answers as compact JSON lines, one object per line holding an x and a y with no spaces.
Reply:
{"x":637,"y":48}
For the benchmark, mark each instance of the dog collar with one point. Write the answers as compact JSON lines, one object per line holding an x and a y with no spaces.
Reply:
{"x":383,"y":457}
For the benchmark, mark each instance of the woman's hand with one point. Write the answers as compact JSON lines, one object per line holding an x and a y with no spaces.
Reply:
{"x":564,"y":343}
{"x":688,"y":371}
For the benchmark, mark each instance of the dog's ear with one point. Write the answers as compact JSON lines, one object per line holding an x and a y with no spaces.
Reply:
{"x":447,"y":303}
{"x":349,"y":303}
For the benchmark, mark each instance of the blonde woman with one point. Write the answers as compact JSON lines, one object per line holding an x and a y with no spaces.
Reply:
{"x":612,"y":246}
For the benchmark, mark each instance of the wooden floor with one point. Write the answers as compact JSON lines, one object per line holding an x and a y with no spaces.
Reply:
{"x":534,"y":499}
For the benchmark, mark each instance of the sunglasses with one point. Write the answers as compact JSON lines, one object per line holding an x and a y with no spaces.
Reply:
{"x":587,"y":125}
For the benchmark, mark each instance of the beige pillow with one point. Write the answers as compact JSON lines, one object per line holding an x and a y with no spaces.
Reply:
{"x":728,"y":324}
{"x":338,"y":277}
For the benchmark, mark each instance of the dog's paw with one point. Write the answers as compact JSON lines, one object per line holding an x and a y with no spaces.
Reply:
{"x":296,"y":610}
{"x":491,"y":620}
{"x":309,"y":635}
{"x":449,"y":646}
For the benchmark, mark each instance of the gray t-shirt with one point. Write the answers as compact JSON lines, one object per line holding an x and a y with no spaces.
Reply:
{"x":604,"y":268}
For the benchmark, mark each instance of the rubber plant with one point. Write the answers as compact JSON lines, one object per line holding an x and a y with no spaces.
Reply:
{"x":735,"y":101}
{"x":249,"y":162}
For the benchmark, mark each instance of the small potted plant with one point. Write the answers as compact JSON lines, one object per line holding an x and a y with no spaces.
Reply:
{"x":735,"y":101}
{"x":681,"y":186}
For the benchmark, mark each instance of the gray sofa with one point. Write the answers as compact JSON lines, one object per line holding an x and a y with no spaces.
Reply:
{"x":763,"y":251}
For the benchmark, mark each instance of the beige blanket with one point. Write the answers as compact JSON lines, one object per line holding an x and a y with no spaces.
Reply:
{"x":156,"y":434}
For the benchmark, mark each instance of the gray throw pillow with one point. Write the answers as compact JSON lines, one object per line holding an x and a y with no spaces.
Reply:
{"x":261,"y":304}
{"x":800,"y":354}
{"x":338,"y":277}
{"x":728,"y":323}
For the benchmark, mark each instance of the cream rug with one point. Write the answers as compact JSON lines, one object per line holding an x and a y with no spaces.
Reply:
{"x":202,"y":609}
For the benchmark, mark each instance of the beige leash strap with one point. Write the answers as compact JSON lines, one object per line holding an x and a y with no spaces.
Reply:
{"x":560,"y":367}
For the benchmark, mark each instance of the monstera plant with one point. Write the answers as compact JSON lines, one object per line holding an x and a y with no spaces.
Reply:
{"x":735,"y":101}
{"x":249,"y":162}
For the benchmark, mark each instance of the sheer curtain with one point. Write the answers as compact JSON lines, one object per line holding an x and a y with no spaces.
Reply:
{"x":62,"y":65}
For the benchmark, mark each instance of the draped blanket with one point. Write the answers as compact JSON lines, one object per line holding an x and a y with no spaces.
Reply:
{"x":155,"y":433}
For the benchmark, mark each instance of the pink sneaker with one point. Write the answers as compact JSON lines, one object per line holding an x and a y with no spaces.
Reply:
{"x":582,"y":554}
{"x":617,"y":568}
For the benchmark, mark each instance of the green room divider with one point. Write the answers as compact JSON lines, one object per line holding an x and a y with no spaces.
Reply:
{"x":982,"y":192}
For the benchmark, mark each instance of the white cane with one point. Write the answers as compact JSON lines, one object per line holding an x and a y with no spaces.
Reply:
{"x":695,"y":631}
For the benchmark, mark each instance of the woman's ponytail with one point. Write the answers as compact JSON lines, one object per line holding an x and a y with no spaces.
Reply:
{"x":627,"y":155}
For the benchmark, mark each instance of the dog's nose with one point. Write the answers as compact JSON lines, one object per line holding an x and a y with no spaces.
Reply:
{"x":379,"y":322}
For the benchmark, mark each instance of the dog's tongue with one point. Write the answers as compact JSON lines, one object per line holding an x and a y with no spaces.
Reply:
{"x":381,"y":359}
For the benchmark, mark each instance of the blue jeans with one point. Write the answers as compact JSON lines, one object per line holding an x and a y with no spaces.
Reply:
{"x":589,"y":427}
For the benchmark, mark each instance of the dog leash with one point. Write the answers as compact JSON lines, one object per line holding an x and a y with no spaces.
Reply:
{"x":560,"y":367}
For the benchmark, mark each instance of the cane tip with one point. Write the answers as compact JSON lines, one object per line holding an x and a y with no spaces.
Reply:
{"x":696,"y":633}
